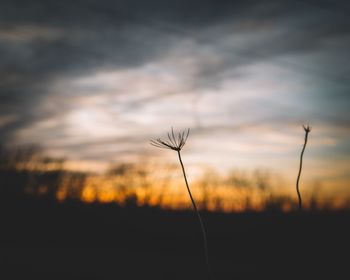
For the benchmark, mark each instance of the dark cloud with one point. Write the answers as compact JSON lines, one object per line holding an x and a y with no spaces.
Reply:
{"x":43,"y":41}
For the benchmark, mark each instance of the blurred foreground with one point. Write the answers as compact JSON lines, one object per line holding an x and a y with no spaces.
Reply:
{"x":48,"y":240}
{"x":46,"y":236}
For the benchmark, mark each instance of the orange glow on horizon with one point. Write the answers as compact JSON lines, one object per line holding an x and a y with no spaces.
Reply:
{"x":172,"y":194}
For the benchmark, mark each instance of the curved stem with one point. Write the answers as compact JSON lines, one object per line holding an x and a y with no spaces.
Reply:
{"x":198,"y":215}
{"x":300,"y":168}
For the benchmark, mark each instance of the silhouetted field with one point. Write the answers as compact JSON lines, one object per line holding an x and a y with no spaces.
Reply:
{"x":44,"y":239}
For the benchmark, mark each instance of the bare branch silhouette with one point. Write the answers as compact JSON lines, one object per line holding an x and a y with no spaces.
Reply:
{"x":307,"y":130}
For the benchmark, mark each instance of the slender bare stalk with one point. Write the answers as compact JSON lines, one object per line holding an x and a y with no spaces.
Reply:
{"x":198,"y":215}
{"x":307,"y":129}
{"x":176,"y":143}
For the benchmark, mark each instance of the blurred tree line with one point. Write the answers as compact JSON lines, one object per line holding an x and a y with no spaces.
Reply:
{"x":27,"y":172}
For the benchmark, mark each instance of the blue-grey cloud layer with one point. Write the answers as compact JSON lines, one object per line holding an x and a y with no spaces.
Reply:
{"x":43,"y":42}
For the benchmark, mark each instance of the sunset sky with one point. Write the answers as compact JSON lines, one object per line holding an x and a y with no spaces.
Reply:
{"x":94,"y":81}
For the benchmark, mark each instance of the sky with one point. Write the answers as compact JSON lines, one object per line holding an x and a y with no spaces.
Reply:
{"x":94,"y":81}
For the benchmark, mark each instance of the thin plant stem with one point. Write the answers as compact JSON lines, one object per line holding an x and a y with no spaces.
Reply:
{"x":307,"y":130}
{"x":198,"y":215}
{"x":176,"y":142}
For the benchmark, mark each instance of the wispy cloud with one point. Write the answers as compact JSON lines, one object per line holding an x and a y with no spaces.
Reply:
{"x":97,"y":79}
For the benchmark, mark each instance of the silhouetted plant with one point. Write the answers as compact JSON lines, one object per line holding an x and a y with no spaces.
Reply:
{"x":307,"y":130}
{"x":176,"y":143}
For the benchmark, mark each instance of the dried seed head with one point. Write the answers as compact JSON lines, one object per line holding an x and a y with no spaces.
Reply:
{"x":307,"y":128}
{"x":174,"y":142}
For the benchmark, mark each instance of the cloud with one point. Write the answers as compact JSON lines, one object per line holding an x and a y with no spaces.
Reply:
{"x":110,"y":70}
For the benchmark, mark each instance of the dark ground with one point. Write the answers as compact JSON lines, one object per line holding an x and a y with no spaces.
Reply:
{"x":40,"y":239}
